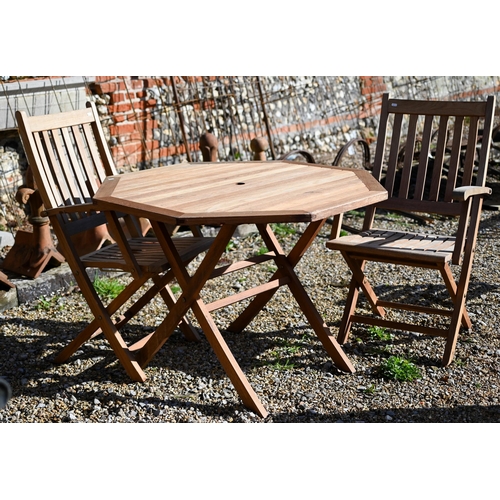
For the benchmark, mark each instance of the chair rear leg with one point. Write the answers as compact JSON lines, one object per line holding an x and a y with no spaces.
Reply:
{"x":93,"y":329}
{"x":104,"y":322}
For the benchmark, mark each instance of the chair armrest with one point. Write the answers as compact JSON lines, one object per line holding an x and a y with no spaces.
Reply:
{"x":83,"y":207}
{"x":464,"y":192}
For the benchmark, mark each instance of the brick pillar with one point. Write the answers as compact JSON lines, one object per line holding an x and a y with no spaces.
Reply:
{"x":372,"y":88}
{"x":131,"y":128}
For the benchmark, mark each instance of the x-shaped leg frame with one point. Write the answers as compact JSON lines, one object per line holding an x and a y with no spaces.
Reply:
{"x":457,"y":291}
{"x":190,"y":299}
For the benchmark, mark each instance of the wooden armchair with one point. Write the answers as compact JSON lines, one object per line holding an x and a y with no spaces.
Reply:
{"x":69,"y":159}
{"x":451,"y":182}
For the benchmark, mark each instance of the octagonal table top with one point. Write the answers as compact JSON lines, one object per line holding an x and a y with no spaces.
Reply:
{"x":240,"y":192}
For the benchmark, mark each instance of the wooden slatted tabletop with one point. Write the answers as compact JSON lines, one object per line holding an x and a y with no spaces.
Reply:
{"x":240,"y":192}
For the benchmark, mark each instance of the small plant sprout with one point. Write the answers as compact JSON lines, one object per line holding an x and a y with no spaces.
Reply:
{"x":379,"y":333}
{"x":397,"y":368}
{"x":370,"y":390}
{"x":45,"y":304}
{"x":281,"y":229}
{"x":280,"y":363}
{"x":107,"y":288}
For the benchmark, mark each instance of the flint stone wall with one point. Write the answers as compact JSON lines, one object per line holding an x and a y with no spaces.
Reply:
{"x":316,"y":114}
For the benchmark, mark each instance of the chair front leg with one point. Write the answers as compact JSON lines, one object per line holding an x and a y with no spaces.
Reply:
{"x":357,"y":267}
{"x":452,"y":290}
{"x":350,"y":308}
{"x":459,"y":312}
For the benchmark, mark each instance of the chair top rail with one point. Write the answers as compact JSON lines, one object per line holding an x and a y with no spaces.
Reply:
{"x":58,"y":120}
{"x":450,"y":108}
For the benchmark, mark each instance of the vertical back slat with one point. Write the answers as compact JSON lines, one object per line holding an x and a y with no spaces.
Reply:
{"x":88,"y":162}
{"x":58,"y":192}
{"x":454,"y":158}
{"x":99,"y":171}
{"x":423,"y":162}
{"x":470,"y":152}
{"x":437,"y":170}
{"x":408,"y":158}
{"x":393,"y":154}
{"x":381,"y":138}
{"x":47,"y":184}
{"x":484,"y":153}
{"x":53,"y":168}
{"x":106,"y":159}
{"x":62,"y":161}
{"x":74,"y":165}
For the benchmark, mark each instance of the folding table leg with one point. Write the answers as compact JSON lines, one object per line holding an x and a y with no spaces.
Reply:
{"x":286,"y":268}
{"x":305,"y":303}
{"x":190,"y":299}
{"x":258,"y":303}
{"x":191,"y":286}
{"x":185,"y":325}
{"x":227,"y":360}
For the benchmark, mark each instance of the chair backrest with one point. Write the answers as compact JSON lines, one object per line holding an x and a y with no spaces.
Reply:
{"x":426,"y":149}
{"x":433,"y":148}
{"x":69,"y":158}
{"x":67,"y":154}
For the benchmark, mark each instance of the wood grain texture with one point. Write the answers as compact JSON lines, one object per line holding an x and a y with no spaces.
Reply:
{"x":240,"y":192}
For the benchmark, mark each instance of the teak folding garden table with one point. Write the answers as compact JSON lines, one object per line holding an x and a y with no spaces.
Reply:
{"x":229,"y":194}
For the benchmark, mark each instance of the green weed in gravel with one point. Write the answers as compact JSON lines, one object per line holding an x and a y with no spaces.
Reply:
{"x":108,"y":288}
{"x":379,"y":333}
{"x":401,"y":369}
{"x":281,"y":229}
{"x":47,"y":303}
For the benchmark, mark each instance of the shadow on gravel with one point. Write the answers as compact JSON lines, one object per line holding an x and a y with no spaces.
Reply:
{"x":26,"y":361}
{"x":458,"y":414}
{"x":32,"y":373}
{"x":42,"y":339}
{"x":490,"y":222}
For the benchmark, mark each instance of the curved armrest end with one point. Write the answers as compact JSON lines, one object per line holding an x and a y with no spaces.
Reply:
{"x":465,"y":192}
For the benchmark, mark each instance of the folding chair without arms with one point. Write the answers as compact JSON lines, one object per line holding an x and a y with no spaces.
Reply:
{"x":448,"y":182}
{"x":69,"y":158}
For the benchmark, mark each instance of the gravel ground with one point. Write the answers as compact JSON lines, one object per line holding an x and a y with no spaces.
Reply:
{"x":279,"y":353}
